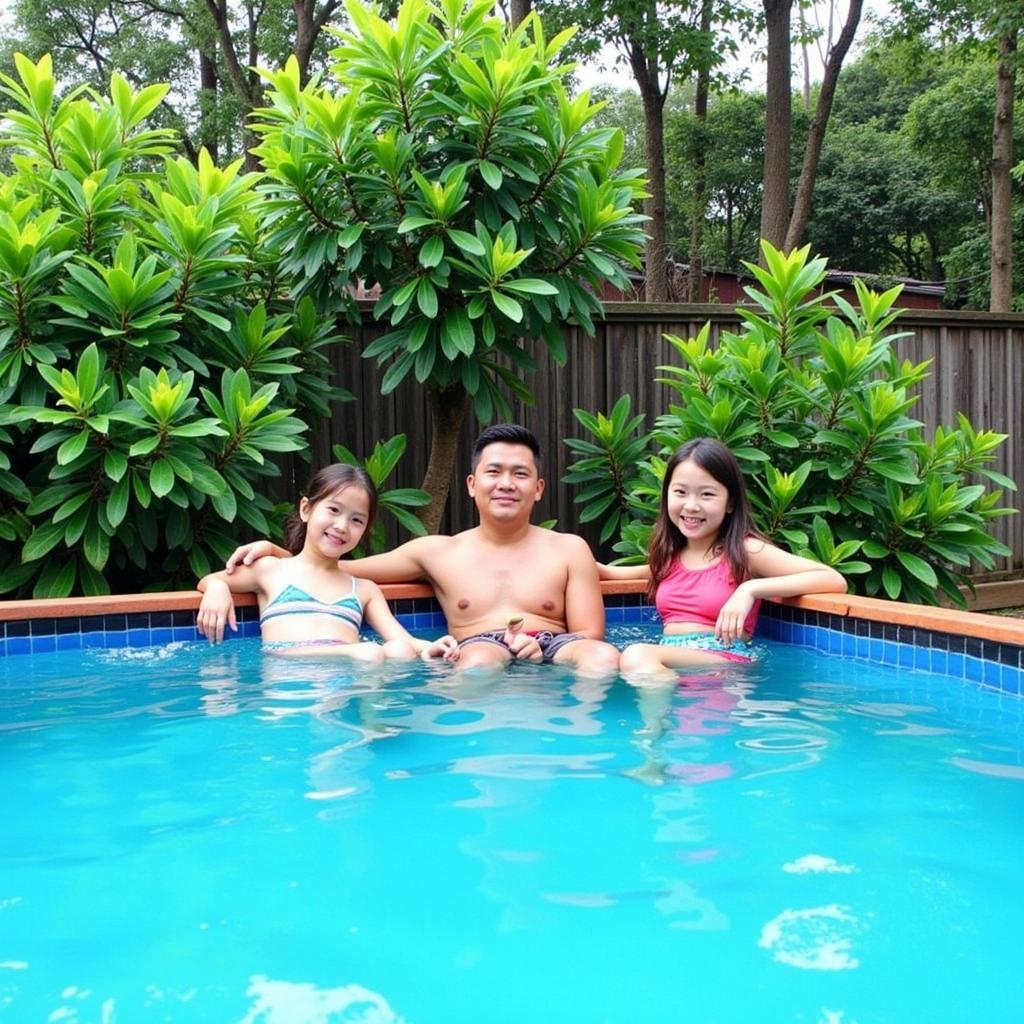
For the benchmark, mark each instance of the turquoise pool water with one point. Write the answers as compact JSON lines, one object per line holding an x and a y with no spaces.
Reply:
{"x":193,"y":835}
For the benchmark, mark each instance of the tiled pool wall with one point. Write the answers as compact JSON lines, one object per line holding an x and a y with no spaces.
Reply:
{"x":972,"y":659}
{"x":990,"y":662}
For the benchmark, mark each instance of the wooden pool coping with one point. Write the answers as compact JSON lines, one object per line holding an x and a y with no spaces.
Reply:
{"x":939,"y":620}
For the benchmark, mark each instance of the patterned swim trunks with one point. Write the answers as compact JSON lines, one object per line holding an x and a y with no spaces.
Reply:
{"x":738,"y":650}
{"x":550,"y":643}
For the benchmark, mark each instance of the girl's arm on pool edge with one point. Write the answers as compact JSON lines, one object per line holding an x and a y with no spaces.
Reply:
{"x":217,"y":607}
{"x":777,"y":573}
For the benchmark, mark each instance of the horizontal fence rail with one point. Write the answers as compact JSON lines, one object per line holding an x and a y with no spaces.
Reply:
{"x":977,"y":368}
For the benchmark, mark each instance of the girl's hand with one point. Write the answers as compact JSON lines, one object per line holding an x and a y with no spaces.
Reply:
{"x":216,"y":608}
{"x":731,"y":619}
{"x":447,"y":648}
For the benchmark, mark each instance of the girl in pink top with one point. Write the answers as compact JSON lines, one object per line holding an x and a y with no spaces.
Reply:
{"x":708,"y":567}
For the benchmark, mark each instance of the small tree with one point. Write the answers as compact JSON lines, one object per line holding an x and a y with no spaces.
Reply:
{"x":450,"y":165}
{"x":816,"y":406}
{"x":148,"y":365}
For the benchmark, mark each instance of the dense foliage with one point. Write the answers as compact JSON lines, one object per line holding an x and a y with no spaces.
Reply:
{"x":817,"y":407}
{"x":149,"y":363}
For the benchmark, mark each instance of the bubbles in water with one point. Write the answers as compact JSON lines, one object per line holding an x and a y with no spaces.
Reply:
{"x":289,"y":1002}
{"x":814,"y":863}
{"x":816,"y":939}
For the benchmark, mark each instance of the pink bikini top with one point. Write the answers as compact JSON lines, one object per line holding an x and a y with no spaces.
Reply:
{"x":697,"y":595}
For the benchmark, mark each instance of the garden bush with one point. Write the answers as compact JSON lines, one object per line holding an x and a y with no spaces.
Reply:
{"x":444,"y":160}
{"x":151,"y":357}
{"x":816,"y":405}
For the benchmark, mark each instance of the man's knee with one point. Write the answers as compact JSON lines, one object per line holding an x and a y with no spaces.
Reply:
{"x":482,"y":655}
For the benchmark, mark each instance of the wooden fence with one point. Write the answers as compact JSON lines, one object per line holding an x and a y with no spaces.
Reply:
{"x":977,"y":368}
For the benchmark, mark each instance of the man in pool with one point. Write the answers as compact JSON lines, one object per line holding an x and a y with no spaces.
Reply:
{"x":509,"y":590}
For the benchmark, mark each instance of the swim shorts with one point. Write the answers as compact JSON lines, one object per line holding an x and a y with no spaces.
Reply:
{"x":738,"y":650}
{"x":550,"y":643}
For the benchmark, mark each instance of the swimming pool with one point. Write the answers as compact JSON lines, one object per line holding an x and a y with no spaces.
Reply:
{"x":195,"y":835}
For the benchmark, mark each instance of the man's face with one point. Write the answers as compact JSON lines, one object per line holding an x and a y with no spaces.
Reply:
{"x":505,"y":483}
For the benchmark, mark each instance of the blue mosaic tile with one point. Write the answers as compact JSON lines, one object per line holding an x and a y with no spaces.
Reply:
{"x":161,"y":636}
{"x":116,"y":638}
{"x":906,"y":659}
{"x":861,"y":647}
{"x":43,"y":644}
{"x":69,"y":642}
{"x":19,"y":645}
{"x":137,"y":638}
{"x":187,"y":633}
{"x":973,"y":669}
{"x":890,"y":653}
{"x":955,"y":666}
{"x":922,"y":659}
{"x":1010,"y":679}
{"x":849,"y":645}
{"x":990,"y":673}
{"x":875,"y":650}
{"x":939,"y":661}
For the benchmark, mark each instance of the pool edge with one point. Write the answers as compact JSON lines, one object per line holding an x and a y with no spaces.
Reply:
{"x":968,"y":646}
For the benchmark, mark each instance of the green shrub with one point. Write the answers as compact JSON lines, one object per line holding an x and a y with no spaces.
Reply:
{"x":447,"y":162}
{"x":150,"y":361}
{"x":816,"y":406}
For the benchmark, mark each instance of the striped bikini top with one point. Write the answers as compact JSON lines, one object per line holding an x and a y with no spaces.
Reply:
{"x":294,"y":601}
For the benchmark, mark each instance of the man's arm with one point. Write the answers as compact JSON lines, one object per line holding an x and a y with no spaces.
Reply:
{"x":584,"y":606}
{"x":408,"y":562}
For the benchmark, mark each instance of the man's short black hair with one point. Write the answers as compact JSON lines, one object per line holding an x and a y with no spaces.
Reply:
{"x":506,"y":433}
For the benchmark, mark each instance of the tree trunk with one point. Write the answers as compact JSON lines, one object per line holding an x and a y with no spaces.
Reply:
{"x":518,"y":11}
{"x":208,"y":128}
{"x":778,"y":116}
{"x":816,"y":132}
{"x":645,"y":72}
{"x":1002,"y":187}
{"x":308,"y":25}
{"x":244,"y":84}
{"x":448,"y":409}
{"x":700,"y":112}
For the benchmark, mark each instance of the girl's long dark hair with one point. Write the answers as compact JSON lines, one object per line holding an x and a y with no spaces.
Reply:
{"x":322,"y":485}
{"x":667,"y":541}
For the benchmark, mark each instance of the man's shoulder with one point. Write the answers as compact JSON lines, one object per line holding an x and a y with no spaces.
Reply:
{"x":570,"y":545}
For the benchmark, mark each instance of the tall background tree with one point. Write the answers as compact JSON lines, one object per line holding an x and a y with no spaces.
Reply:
{"x":965,"y":28}
{"x":447,"y":162}
{"x":662,"y":44}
